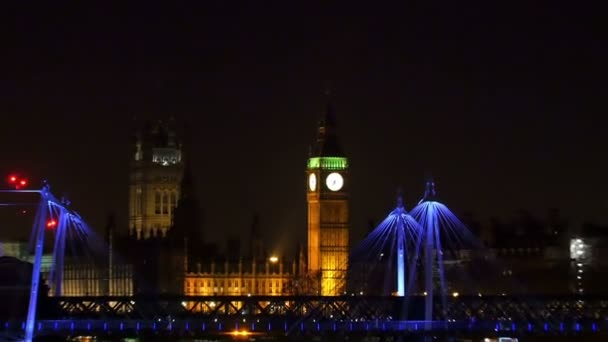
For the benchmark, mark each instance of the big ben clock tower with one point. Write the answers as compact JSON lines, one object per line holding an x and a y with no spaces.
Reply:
{"x":327,"y":197}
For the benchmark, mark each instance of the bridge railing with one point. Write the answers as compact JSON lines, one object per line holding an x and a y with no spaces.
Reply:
{"x":353,"y":308}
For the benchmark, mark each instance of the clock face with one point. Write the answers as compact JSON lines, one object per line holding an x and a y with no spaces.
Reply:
{"x":312,"y":182}
{"x":334,"y":181}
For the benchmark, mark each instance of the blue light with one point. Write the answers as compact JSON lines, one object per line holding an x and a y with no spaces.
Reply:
{"x":219,"y":326}
{"x":252,"y":326}
{"x":594,"y":327}
{"x":546,"y":327}
{"x":39,"y":326}
{"x":529,"y":326}
{"x":301,"y":326}
{"x":48,"y":206}
{"x":121,"y":325}
{"x":72,"y":326}
{"x":56,"y":325}
{"x":334,"y":326}
{"x":137,"y":326}
{"x":285,"y":326}
{"x":513,"y":327}
{"x":561,"y":326}
{"x":366,"y":327}
{"x":154,"y":326}
{"x":350,"y":326}
{"x":268,"y":326}
{"x":318,"y":326}
{"x":187,"y":326}
{"x":89,"y":326}
{"x":22,"y":325}
{"x":577,"y":327}
{"x":204,"y":327}
{"x":105,"y":326}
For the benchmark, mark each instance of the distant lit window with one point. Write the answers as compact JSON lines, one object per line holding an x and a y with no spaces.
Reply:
{"x":165,"y":203}
{"x":157,"y":202}
{"x":166,"y":156}
{"x":138,"y":201}
{"x":173,"y":200}
{"x":578,"y":249}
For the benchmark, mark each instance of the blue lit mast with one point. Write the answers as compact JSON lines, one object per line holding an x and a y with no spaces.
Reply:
{"x":400,"y":247}
{"x":431,"y":226}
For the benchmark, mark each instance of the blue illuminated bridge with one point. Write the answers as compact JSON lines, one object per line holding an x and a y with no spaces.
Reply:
{"x":292,"y":316}
{"x":305,"y":315}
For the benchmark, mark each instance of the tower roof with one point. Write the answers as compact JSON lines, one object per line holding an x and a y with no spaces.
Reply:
{"x":327,"y":143}
{"x":157,"y":134}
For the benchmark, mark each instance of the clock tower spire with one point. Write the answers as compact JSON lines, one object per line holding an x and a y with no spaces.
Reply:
{"x":328,"y":212}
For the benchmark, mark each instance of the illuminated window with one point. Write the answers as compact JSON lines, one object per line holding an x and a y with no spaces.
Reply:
{"x":165,"y":204}
{"x":157,"y":202}
{"x":138,"y":202}
{"x":173,"y":200}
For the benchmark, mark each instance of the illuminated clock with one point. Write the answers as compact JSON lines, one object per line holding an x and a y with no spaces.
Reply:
{"x":312,"y":182}
{"x":334,"y":181}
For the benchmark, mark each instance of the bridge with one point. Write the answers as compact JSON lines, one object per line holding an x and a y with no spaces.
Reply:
{"x":287,"y":315}
{"x":291,"y":328}
{"x":533,"y":309}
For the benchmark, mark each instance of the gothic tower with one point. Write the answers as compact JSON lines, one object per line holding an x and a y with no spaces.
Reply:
{"x":155,"y":176}
{"x":328,"y":213}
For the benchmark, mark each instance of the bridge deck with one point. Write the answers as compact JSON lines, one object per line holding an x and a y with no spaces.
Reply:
{"x":288,"y":327}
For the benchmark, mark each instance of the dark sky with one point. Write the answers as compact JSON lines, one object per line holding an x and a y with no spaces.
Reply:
{"x":503,"y":105}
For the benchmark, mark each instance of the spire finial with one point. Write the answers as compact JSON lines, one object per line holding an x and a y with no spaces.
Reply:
{"x":399,"y":197}
{"x":327,"y":91}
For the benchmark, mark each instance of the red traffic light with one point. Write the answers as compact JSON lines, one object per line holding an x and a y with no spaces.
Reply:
{"x":12,"y":179}
{"x":23,"y":182}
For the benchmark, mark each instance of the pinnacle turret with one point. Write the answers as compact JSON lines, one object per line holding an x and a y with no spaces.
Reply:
{"x":327,"y":144}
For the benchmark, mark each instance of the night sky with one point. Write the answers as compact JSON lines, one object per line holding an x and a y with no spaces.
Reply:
{"x":504,"y":106}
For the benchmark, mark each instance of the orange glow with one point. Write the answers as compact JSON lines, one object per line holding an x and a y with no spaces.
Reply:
{"x":240,"y":333}
{"x":51,"y":224}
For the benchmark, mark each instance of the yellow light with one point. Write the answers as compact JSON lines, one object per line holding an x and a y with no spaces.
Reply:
{"x":273,"y":259}
{"x":424,"y":293}
{"x":455,"y":294}
{"x":240,"y":333}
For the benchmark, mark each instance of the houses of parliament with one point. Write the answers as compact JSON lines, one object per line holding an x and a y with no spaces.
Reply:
{"x":163,"y":251}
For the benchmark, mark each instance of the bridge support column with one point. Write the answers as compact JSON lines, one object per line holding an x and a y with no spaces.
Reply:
{"x":39,"y":227}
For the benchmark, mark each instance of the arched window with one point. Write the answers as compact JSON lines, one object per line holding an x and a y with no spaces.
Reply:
{"x":165,"y":203}
{"x":157,"y":202}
